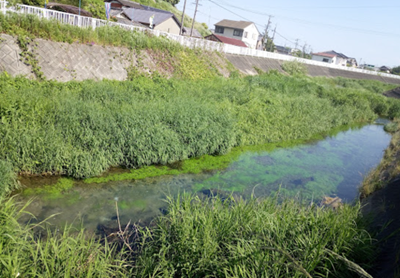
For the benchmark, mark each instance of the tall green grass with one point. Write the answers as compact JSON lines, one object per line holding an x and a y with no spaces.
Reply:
{"x":82,"y":128}
{"x":198,"y":238}
{"x":254,"y":238}
{"x":65,"y":253}
{"x":8,"y":178}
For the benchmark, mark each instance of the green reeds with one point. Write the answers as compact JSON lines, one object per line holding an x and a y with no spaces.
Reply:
{"x":8,"y":178}
{"x":82,"y":128}
{"x":254,"y":238}
{"x":65,"y":253}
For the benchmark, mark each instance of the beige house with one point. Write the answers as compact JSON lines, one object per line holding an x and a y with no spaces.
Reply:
{"x":245,"y":31}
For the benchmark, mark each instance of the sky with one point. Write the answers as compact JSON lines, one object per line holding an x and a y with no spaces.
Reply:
{"x":367,"y":30}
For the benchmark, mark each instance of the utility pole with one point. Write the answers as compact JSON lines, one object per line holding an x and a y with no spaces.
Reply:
{"x":194,"y":17}
{"x":273,"y":38}
{"x":297,"y":43}
{"x":304,"y":49}
{"x":183,"y":18}
{"x":267,"y":30}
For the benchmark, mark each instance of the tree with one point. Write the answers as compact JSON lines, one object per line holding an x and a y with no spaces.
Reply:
{"x":396,"y":70}
{"x":269,"y":45}
{"x":173,"y":2}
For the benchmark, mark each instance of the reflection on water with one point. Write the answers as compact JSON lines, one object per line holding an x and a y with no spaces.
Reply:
{"x":334,"y":166}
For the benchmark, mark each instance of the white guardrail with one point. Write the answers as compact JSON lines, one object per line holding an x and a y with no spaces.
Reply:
{"x":89,"y":22}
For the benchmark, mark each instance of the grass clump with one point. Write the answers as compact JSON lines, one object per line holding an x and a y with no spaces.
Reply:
{"x":254,"y":238}
{"x":8,"y":178}
{"x":65,"y":253}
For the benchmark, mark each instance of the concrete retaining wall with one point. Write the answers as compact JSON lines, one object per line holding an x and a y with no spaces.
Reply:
{"x":246,"y":65}
{"x":65,"y":62}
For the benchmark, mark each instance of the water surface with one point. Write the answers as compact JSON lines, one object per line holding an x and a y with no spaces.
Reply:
{"x":334,"y":166}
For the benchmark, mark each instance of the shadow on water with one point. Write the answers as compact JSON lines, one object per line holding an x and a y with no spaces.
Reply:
{"x":333,"y":166}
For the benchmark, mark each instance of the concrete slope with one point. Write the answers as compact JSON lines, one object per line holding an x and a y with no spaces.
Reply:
{"x":246,"y":65}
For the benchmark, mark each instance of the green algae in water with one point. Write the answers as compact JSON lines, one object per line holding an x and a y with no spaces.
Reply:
{"x":55,"y":191}
{"x":191,"y":166}
{"x":312,"y":170}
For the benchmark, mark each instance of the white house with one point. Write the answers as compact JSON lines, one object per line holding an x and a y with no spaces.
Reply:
{"x":241,"y":30}
{"x":331,"y":57}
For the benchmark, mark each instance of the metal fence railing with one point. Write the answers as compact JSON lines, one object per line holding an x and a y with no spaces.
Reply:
{"x":89,"y":22}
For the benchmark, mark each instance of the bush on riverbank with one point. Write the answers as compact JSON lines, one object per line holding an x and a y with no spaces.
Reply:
{"x":82,"y":128}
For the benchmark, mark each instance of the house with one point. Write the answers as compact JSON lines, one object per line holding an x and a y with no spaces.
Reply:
{"x":68,"y":9}
{"x":223,"y":39}
{"x":385,"y":69}
{"x":283,"y":50}
{"x":163,"y":21}
{"x":195,"y":34}
{"x":368,"y":67}
{"x":331,"y":57}
{"x":260,"y":42}
{"x":245,"y":31}
{"x":128,"y":12}
{"x":120,"y":4}
{"x":352,"y":62}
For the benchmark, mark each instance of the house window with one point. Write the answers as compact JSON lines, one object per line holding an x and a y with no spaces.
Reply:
{"x":238,"y":33}
{"x":326,"y":60}
{"x":219,"y":29}
{"x":245,"y":34}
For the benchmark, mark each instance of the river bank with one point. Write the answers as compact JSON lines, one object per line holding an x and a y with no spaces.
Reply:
{"x":381,"y":203}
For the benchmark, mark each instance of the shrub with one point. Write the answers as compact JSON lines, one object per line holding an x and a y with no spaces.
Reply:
{"x":294,"y":68}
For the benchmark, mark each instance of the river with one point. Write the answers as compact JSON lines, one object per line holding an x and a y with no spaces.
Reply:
{"x":334,"y":166}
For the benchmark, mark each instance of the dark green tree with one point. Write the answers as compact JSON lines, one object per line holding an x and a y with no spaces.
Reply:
{"x":269,"y":45}
{"x":173,"y":2}
{"x":396,"y":70}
